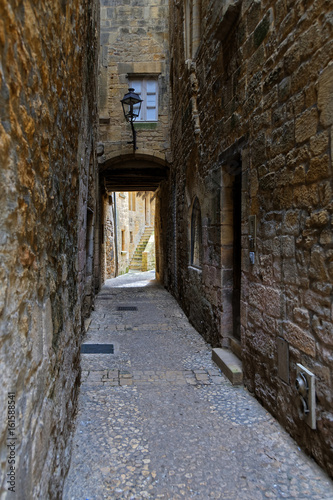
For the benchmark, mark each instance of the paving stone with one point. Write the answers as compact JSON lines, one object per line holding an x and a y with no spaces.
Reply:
{"x":166,"y":424}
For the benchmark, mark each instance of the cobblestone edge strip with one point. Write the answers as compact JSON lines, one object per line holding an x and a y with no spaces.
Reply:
{"x":145,"y":377}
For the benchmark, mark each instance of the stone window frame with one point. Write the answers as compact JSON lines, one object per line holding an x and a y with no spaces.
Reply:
{"x":192,"y":28}
{"x":196,"y":235}
{"x":144,"y":79}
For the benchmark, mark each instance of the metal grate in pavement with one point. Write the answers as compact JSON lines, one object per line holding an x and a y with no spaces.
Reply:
{"x":97,"y":349}
{"x":127,"y":308}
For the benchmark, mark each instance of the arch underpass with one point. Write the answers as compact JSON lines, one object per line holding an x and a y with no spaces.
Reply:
{"x":133,"y":172}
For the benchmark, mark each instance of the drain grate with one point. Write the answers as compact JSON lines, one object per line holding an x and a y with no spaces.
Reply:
{"x":97,"y":349}
{"x":127,"y":308}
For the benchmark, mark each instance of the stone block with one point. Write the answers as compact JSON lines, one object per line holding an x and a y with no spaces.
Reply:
{"x":306,"y":125}
{"x":256,"y":61}
{"x":309,"y":41}
{"x":3,"y":288}
{"x":262,"y":29}
{"x":42,"y":433}
{"x":306,"y":196}
{"x":325,"y":96}
{"x":319,"y":143}
{"x":318,"y":304}
{"x":227,"y":234}
{"x":229,"y":364}
{"x":283,"y":138}
{"x":284,"y":89}
{"x":299,"y":338}
{"x":227,"y":278}
{"x":299,"y":175}
{"x":324,"y":330}
{"x":319,"y":169}
{"x":265,"y":299}
{"x":291,"y":222}
{"x":301,"y":317}
{"x":288,"y":246}
{"x":318,"y":268}
{"x":326,"y":237}
{"x":291,"y":59}
{"x":318,"y":219}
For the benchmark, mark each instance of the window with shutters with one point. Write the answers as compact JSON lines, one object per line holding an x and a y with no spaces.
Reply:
{"x":147,"y":88}
{"x":196,"y":235}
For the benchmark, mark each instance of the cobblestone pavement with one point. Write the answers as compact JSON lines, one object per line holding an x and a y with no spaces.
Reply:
{"x":157,"y":419}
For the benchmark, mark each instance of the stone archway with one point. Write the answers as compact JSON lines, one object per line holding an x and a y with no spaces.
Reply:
{"x":132,"y":172}
{"x":129,"y":173}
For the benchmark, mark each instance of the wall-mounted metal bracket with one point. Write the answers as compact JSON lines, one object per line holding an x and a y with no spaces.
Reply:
{"x":305,"y":386}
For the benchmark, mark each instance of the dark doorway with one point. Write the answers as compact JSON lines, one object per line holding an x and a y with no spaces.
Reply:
{"x":231,"y":253}
{"x":237,"y":252}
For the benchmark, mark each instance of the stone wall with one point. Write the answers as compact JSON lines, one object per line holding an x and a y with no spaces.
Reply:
{"x":123,"y":232}
{"x":251,"y":138}
{"x":148,"y":256}
{"x":134,"y":44}
{"x":47,"y":155}
{"x":109,"y":244}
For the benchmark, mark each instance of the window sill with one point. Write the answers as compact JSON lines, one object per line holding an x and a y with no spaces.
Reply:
{"x":145,"y":125}
{"x":196,"y":269}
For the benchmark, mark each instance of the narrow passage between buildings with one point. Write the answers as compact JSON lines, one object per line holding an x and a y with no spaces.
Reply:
{"x":157,"y":419}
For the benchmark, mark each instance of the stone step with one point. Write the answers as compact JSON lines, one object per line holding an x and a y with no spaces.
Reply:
{"x":229,"y":364}
{"x":136,"y":261}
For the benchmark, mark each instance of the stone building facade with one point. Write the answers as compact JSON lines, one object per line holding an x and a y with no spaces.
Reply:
{"x":48,"y":130}
{"x":250,"y":194}
{"x":134,"y":53}
{"x":134,"y":47}
{"x":126,"y":217}
{"x":135,"y":213}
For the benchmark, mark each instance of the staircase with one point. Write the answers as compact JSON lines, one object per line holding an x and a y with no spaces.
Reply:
{"x":136,"y":262}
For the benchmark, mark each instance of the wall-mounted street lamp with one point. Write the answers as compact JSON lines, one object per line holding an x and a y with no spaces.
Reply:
{"x":131,"y":104}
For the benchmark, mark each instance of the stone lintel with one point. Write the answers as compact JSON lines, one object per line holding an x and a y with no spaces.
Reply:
{"x":141,"y":68}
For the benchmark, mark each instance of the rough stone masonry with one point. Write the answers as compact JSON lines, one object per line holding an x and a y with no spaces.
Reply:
{"x":47,"y":142}
{"x":251,"y":137}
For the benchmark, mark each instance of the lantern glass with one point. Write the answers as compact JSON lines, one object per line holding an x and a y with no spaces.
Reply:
{"x":131,"y":103}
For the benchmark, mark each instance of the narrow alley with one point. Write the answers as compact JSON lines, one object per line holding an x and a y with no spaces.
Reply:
{"x":158,"y":420}
{"x":193,"y":137}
